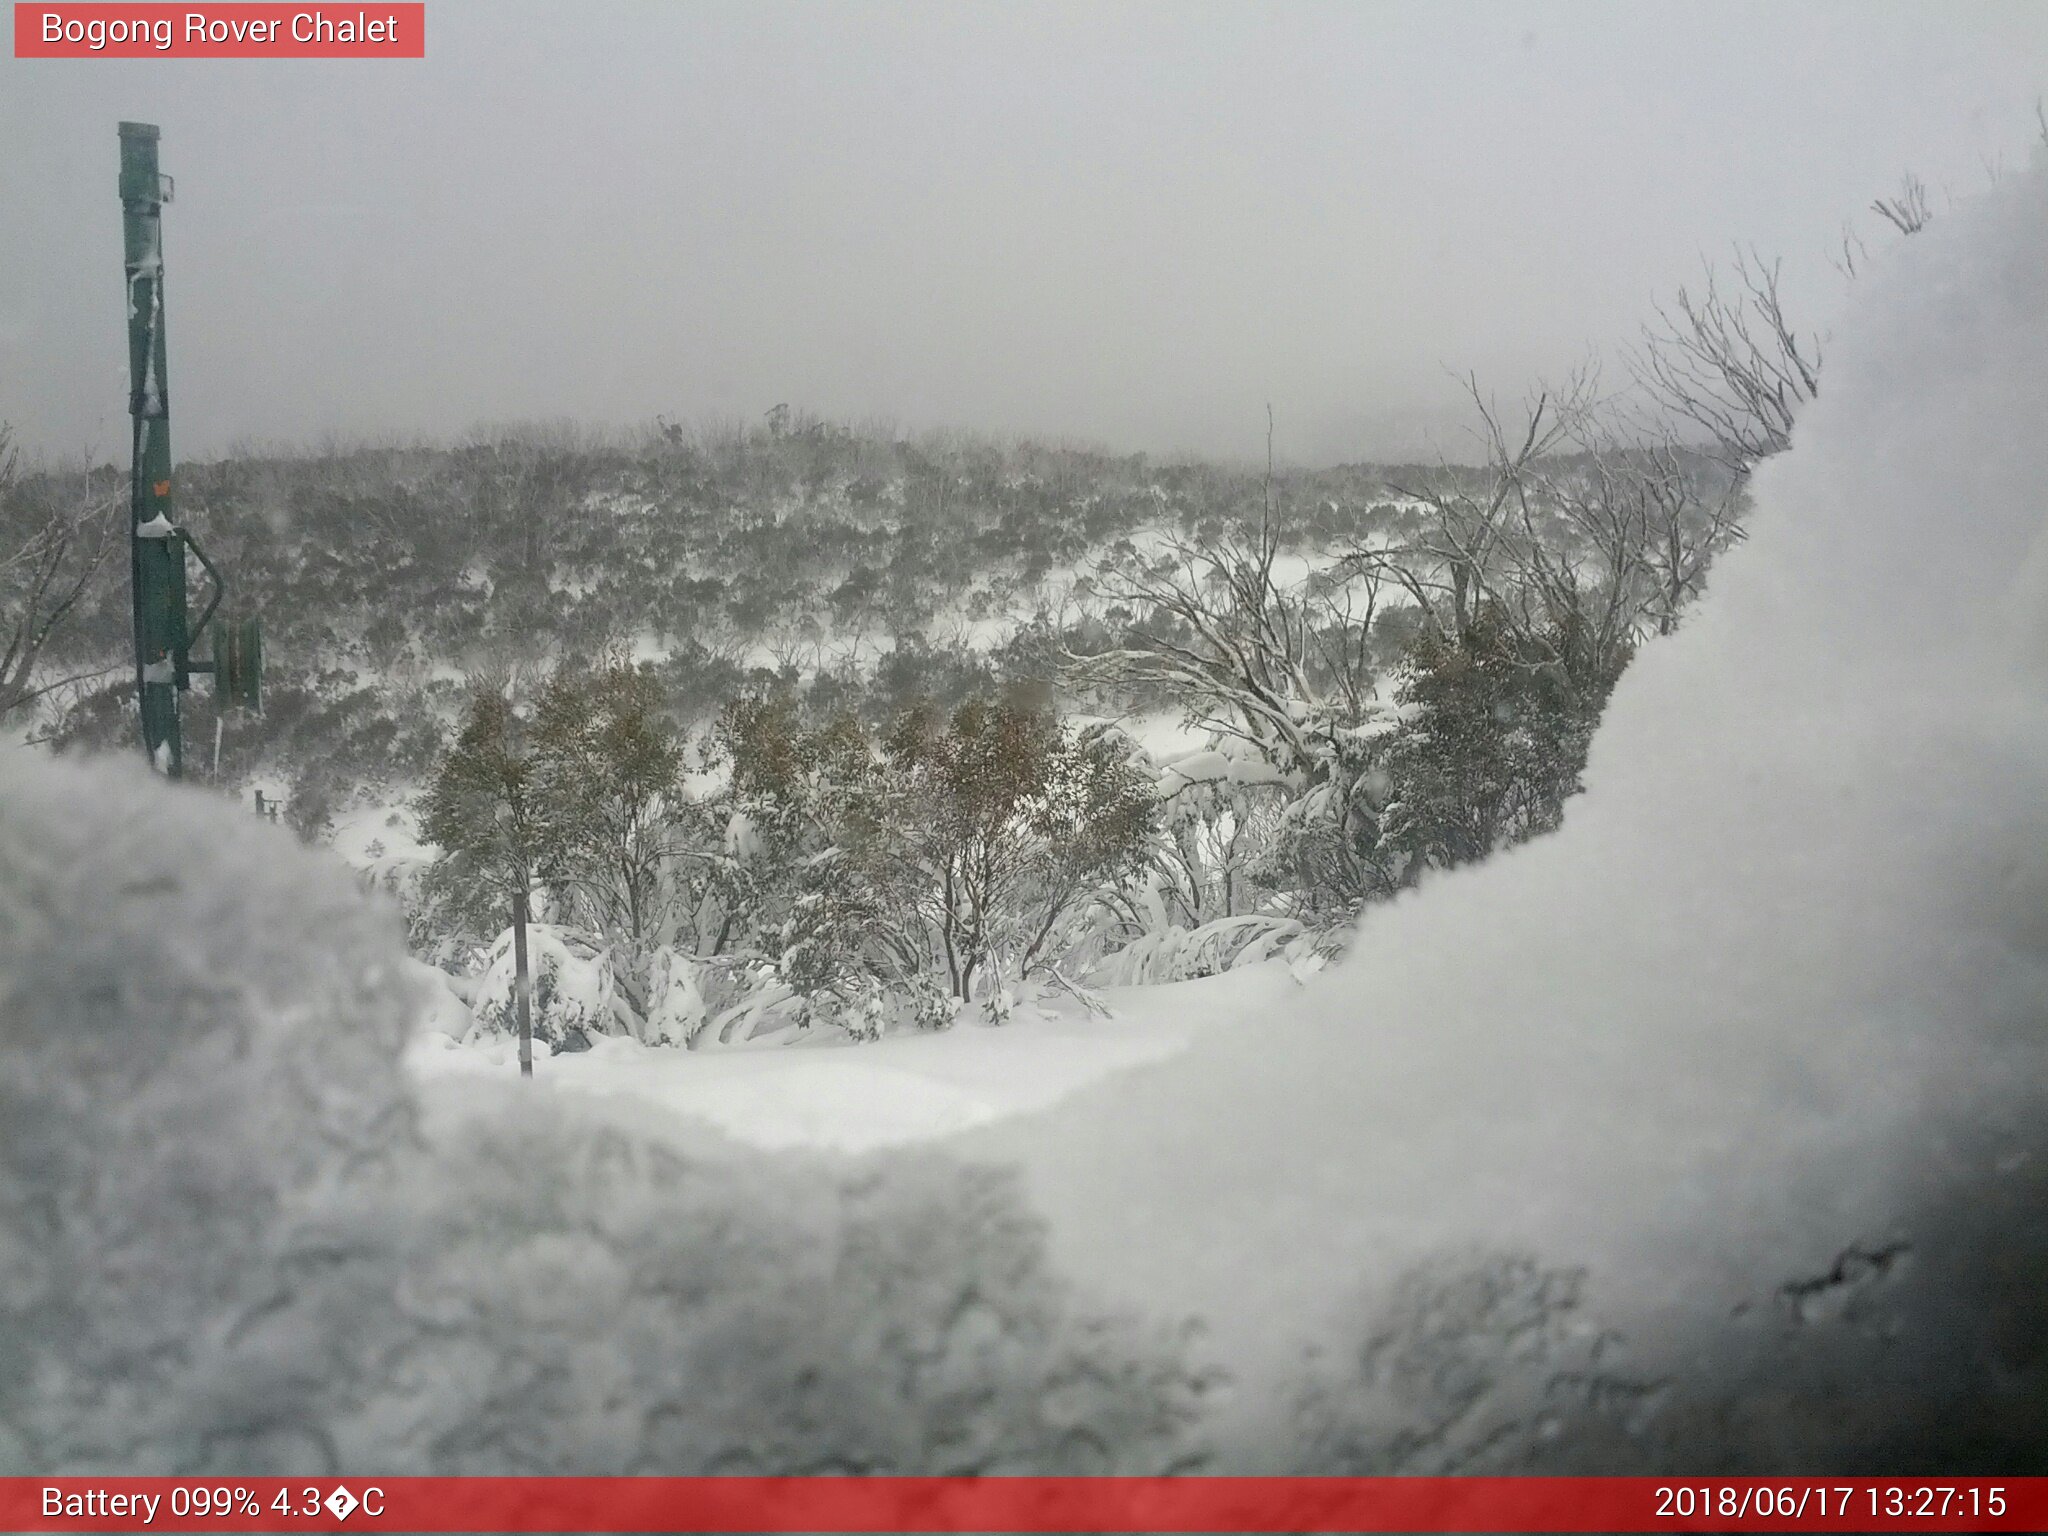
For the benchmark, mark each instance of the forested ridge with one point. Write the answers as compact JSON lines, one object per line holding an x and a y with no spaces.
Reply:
{"x":835,"y":726}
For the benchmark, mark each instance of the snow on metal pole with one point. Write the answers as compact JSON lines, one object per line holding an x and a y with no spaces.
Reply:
{"x":157,"y":545}
{"x":156,"y":548}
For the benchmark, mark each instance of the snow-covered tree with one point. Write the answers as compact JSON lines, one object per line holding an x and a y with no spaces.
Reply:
{"x":1725,"y":358}
{"x":53,"y":546}
{"x":895,"y":878}
{"x":501,"y":832}
{"x":601,"y":741}
{"x":1493,"y":738}
{"x":1285,"y":667}
{"x":1011,"y":825}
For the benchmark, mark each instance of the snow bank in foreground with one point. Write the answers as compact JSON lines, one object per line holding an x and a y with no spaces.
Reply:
{"x":1779,"y":986}
{"x":233,"y":1238}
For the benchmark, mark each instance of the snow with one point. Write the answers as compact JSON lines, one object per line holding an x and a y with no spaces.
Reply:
{"x":235,"y":1239}
{"x":1777,"y":986}
{"x":572,"y":988}
{"x":1773,"y":997}
{"x":1162,"y":735}
{"x":383,"y":835}
{"x":1231,"y":762}
{"x":442,"y":1015}
{"x":900,"y":1090}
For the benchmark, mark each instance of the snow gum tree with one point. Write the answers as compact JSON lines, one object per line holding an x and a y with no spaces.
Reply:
{"x":581,"y":796}
{"x":1279,"y":671}
{"x":500,"y":831}
{"x":1011,"y":824}
{"x":611,"y":766}
{"x":1275,"y":664}
{"x":904,"y":875}
{"x":806,"y":880}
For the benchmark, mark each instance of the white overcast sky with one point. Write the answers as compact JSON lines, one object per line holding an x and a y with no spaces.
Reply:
{"x":1131,"y":224}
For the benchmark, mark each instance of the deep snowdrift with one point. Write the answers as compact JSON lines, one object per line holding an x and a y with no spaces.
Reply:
{"x":1777,"y":990}
{"x":234,"y":1238}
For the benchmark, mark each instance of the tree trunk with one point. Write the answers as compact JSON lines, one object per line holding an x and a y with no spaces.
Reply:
{"x":522,"y":986}
{"x":946,"y":930}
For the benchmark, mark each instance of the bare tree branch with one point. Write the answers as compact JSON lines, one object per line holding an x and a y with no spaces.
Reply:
{"x":1729,"y":362}
{"x":1906,"y":210}
{"x":51,"y":549}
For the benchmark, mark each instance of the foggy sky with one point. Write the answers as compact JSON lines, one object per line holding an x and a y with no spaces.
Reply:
{"x":1131,"y":224}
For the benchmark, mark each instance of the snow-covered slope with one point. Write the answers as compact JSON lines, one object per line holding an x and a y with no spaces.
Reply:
{"x":1779,"y":987}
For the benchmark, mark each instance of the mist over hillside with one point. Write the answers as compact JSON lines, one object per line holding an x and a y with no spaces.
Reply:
{"x":848,"y":562}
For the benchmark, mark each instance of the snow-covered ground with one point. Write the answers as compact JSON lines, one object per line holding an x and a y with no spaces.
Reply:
{"x":899,"y":1090}
{"x":383,"y":834}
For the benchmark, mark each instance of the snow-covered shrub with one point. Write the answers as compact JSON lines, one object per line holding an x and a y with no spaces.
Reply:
{"x":575,"y":997}
{"x":720,"y":1000}
{"x":1183,"y":954}
{"x":676,"y":1006}
{"x":1491,"y":744}
{"x":1221,"y":809}
{"x":230,"y":1240}
{"x":865,"y":1009}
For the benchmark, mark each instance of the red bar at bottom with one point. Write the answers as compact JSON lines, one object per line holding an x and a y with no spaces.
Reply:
{"x":1024,"y":1504}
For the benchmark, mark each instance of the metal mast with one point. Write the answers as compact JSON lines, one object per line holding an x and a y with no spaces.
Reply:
{"x":163,"y":642}
{"x":156,"y":559}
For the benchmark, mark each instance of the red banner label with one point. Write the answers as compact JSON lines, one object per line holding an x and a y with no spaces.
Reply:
{"x":1024,"y":1504}
{"x":237,"y":31}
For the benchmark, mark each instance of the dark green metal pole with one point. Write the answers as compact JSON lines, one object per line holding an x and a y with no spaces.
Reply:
{"x":156,"y":546}
{"x":157,"y":549}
